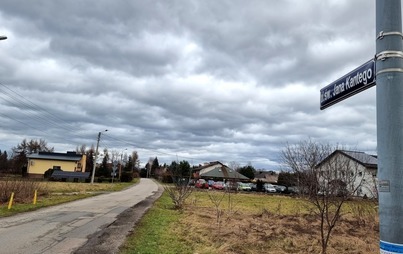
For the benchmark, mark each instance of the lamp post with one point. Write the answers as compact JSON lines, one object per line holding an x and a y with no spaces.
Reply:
{"x":96,"y":156}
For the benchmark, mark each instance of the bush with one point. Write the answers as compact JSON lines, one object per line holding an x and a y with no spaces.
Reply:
{"x":126,"y":177}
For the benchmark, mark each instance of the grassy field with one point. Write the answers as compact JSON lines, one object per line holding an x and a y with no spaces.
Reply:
{"x":250,"y":223}
{"x":51,"y":193}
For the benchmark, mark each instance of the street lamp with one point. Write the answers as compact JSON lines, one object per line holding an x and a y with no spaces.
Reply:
{"x":2,"y":37}
{"x":96,"y":156}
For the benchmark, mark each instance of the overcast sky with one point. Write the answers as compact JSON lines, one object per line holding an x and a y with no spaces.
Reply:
{"x":195,"y":80}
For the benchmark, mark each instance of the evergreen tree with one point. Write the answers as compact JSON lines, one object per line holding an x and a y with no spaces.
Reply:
{"x":103,"y":169}
{"x":154,"y":166}
{"x":89,"y":163}
{"x":248,"y":171}
{"x":3,"y":161}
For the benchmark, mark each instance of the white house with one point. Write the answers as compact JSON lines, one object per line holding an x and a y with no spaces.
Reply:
{"x":357,"y":171}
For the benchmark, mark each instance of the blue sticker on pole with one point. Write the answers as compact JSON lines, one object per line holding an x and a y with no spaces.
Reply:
{"x":390,"y":248}
{"x":353,"y":82}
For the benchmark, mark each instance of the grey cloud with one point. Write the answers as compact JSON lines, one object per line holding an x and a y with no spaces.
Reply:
{"x":209,"y":80}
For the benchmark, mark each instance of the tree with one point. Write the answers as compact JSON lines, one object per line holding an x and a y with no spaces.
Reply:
{"x":20,"y":152}
{"x":180,"y":173}
{"x":154,"y":166}
{"x":326,"y":181}
{"x":248,"y":171}
{"x":104,"y":169}
{"x":81,"y":149}
{"x":89,"y":163}
{"x":234,"y":165}
{"x":3,"y":161}
{"x":177,"y":171}
{"x":136,"y":161}
{"x":287,"y":179}
{"x":133,"y":162}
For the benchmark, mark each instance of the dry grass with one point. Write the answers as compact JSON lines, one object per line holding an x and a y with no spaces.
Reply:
{"x":22,"y":189}
{"x":274,"y":224}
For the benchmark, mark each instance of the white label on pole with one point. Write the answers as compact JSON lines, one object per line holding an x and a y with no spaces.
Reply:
{"x":384,"y":186}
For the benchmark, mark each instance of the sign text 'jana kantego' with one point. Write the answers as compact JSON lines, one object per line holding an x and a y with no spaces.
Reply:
{"x":354,"y":82}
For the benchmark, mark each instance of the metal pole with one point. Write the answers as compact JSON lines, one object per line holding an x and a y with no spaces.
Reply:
{"x":389,"y":104}
{"x":95,"y":160}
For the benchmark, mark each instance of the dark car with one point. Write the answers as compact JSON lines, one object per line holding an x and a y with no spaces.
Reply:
{"x":253,"y":186}
{"x":291,"y":190}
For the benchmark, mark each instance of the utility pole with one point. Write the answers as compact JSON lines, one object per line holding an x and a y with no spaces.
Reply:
{"x":96,"y":157}
{"x":389,"y":105}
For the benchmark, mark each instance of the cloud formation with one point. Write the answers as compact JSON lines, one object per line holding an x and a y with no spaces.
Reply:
{"x":193,"y":80}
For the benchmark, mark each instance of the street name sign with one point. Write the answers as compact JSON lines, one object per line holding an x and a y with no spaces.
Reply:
{"x":352,"y":83}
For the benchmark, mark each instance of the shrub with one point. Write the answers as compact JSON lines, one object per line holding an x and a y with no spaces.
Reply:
{"x":126,"y":177}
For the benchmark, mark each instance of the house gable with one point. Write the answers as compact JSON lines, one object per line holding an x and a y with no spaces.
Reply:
{"x":365,"y":170}
{"x":217,"y":169}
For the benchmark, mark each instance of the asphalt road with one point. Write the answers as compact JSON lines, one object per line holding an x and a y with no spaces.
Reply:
{"x":93,"y":225}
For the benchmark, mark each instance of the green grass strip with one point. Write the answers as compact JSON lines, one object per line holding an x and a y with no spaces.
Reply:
{"x":156,"y":232}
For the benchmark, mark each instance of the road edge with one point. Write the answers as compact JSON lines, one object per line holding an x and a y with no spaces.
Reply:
{"x":112,"y":237}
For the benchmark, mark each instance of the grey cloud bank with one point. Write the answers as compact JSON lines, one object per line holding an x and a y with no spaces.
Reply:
{"x":194,"y":80}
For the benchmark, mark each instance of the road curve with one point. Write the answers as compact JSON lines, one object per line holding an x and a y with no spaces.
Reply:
{"x":67,"y":227}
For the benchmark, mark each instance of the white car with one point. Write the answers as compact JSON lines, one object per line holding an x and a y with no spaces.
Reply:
{"x":244,"y":187}
{"x":269,"y":188}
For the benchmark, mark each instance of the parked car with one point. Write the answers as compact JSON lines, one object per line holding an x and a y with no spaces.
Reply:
{"x":280,"y":188}
{"x":253,"y":186}
{"x":292,"y":190}
{"x":201,"y":184}
{"x":218,"y":185}
{"x":269,"y":188}
{"x":244,"y":187}
{"x":230,"y":185}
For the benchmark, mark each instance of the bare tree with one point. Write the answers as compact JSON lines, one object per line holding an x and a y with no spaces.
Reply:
{"x":81,"y":149}
{"x":181,"y":189}
{"x":216,"y":197}
{"x":234,"y":165}
{"x":326,"y":178}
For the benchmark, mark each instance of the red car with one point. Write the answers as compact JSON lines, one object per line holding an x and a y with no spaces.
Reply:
{"x":202,"y":184}
{"x":218,"y":185}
